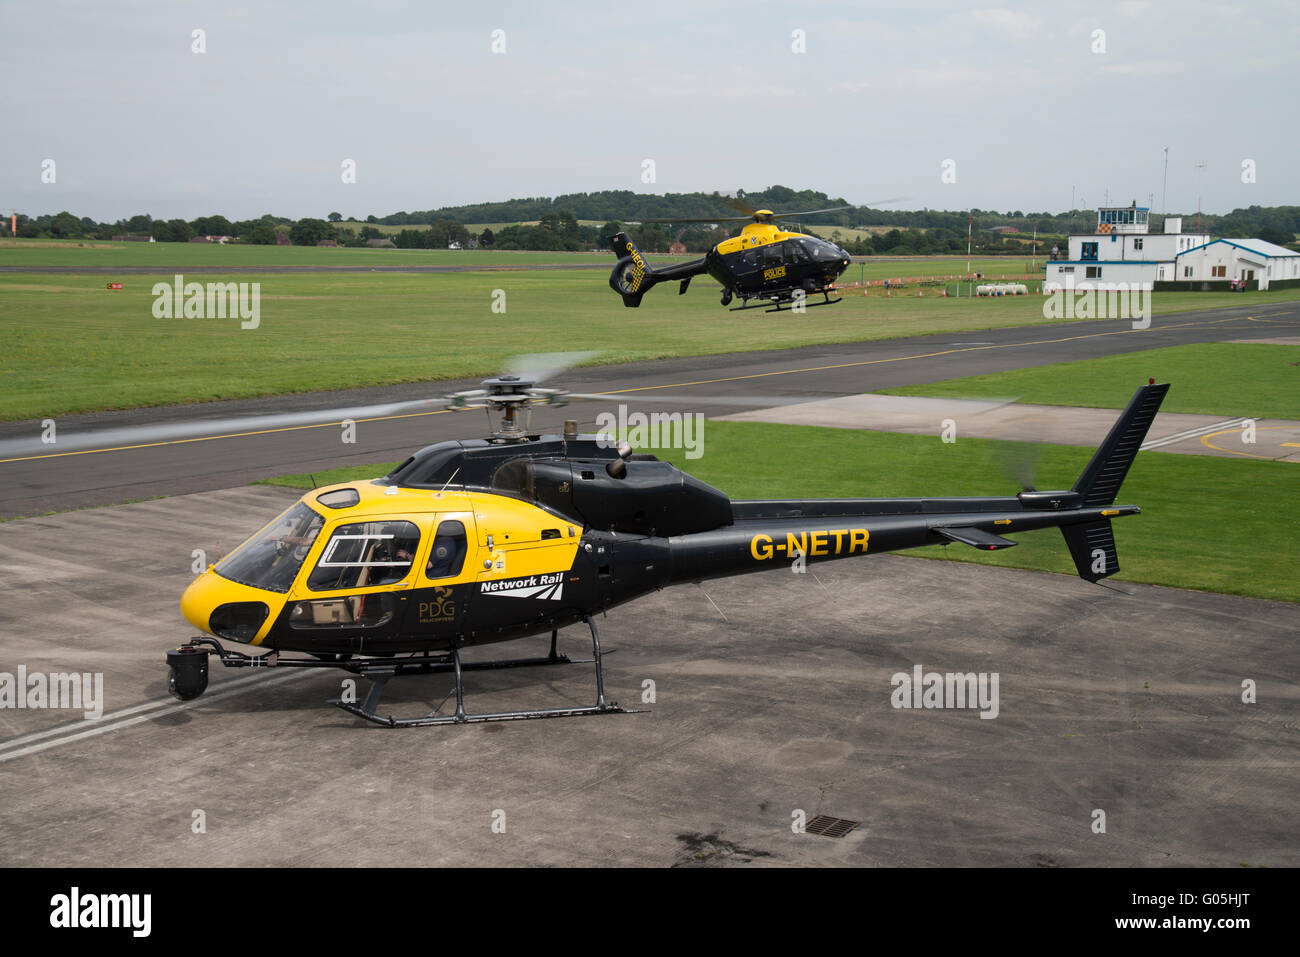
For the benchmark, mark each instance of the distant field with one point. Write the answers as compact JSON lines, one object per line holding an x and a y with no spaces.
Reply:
{"x":38,"y":253}
{"x":1217,"y":378}
{"x":72,"y":345}
{"x":1249,"y":552}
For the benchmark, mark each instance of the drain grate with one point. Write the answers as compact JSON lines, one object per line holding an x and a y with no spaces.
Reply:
{"x":830,"y":826}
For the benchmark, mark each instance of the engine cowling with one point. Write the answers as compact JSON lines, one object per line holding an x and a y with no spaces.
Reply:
{"x":652,"y":498}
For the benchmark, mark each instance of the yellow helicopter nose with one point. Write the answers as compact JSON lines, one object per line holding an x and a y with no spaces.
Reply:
{"x":228,"y":609}
{"x":197,"y":601}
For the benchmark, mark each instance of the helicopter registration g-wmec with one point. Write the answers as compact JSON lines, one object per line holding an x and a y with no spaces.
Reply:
{"x":484,"y":541}
{"x":764,"y":262}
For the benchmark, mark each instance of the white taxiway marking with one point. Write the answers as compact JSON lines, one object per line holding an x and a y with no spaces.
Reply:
{"x":117,"y":720}
{"x":1192,"y":433}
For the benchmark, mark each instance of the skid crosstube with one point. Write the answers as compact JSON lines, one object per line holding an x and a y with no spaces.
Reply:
{"x":774,"y":305}
{"x":381,"y":670}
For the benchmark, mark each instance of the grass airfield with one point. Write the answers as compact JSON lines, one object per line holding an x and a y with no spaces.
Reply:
{"x":73,"y":345}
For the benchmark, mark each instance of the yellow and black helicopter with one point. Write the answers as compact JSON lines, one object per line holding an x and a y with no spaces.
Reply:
{"x":474,"y":542}
{"x":764,"y":263}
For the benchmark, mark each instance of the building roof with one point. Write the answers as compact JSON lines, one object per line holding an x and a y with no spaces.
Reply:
{"x":1259,"y":247}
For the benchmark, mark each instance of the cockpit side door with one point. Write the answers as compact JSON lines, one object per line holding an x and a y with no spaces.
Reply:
{"x":444,"y":585}
{"x":354,"y":581}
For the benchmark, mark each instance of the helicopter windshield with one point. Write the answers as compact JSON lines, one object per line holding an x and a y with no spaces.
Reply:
{"x":824,"y":251}
{"x":272,"y":557}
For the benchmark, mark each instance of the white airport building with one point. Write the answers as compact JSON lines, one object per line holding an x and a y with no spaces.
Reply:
{"x":1122,"y":251}
{"x":1246,"y":259}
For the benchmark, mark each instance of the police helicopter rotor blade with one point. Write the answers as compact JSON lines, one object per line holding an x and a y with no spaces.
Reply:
{"x":837,"y":209}
{"x":197,"y":429}
{"x":813,"y":212}
{"x":698,"y":219}
{"x":882,"y":202}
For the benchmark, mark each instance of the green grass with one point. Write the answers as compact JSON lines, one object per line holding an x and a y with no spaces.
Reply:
{"x":71,"y":345}
{"x":1214,"y":378}
{"x":353,"y":473}
{"x":1207,"y":523}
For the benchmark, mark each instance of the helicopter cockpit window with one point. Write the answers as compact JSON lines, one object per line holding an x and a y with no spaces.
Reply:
{"x":822,"y":251}
{"x":365,"y":553}
{"x":794,"y":253}
{"x":447,"y":557}
{"x":272,"y":557}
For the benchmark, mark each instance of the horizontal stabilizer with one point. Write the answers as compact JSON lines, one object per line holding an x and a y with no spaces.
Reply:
{"x":975,"y":538}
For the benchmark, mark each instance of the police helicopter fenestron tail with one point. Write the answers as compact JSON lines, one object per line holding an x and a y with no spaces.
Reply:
{"x":484,"y":541}
{"x":765,"y":263}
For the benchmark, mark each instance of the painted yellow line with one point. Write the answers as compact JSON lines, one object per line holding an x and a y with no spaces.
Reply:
{"x":925,"y":355}
{"x":230,"y":435}
{"x":1205,"y":440}
{"x":1291,"y":445}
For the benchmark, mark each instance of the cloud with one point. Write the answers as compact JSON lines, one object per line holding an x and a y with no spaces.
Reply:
{"x":1009,"y":24}
{"x":1146,"y":68}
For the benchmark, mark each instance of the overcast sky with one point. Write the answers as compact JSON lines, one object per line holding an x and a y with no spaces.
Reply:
{"x":713,"y":92}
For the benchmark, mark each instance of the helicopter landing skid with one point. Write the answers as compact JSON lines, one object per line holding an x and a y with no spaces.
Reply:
{"x":452,"y":662}
{"x":188,"y":668}
{"x":768,"y":305}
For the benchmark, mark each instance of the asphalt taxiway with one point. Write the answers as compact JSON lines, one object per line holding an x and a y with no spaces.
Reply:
{"x":44,"y":480}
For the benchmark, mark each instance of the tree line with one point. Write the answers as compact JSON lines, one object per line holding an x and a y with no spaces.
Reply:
{"x":558,"y":227}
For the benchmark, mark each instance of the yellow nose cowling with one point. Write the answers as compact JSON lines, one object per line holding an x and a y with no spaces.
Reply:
{"x":210,"y":591}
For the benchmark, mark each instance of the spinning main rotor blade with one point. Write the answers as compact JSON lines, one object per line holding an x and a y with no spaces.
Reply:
{"x":670,"y":399}
{"x":534,"y":368}
{"x":194,"y":429}
{"x":543,"y":366}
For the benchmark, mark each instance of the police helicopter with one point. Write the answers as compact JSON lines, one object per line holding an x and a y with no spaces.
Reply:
{"x":475,"y":542}
{"x":765,"y":263}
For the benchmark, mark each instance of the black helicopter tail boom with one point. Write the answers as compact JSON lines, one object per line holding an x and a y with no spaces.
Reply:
{"x":769,"y":533}
{"x":632,"y":276}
